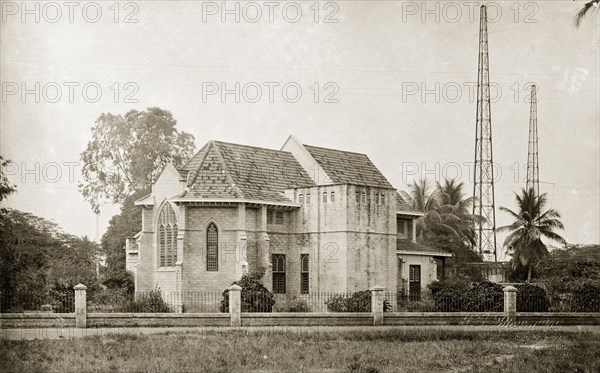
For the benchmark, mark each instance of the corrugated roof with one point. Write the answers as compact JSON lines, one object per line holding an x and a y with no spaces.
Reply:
{"x":240,"y":171}
{"x":418,"y":247}
{"x":344,"y":167}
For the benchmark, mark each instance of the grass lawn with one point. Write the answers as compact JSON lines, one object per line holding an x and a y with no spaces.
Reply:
{"x":332,"y":351}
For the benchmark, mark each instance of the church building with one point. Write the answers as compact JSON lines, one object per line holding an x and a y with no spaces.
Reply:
{"x":313,"y":219}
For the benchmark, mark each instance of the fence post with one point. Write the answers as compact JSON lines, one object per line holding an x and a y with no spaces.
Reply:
{"x":377,"y":305}
{"x":510,"y":304}
{"x":80,"y":306}
{"x":235,"y":305}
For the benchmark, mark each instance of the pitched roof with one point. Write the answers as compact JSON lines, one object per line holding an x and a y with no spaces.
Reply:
{"x":403,"y":206}
{"x":419,"y":248}
{"x":348,"y":168}
{"x":194,"y":162}
{"x":225,"y":170}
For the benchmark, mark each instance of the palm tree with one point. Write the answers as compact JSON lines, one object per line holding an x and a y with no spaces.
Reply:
{"x":421,"y":197}
{"x":585,"y":10}
{"x":530,"y":225}
{"x":454,"y":204}
{"x":446,"y":212}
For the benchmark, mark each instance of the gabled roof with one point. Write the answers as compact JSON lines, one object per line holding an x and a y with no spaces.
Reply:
{"x":403,"y":207}
{"x":348,"y":168}
{"x":232,"y":171}
{"x":418,"y":248}
{"x":194,"y":162}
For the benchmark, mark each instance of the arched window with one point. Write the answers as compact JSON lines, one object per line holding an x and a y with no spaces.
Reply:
{"x":167,"y":237}
{"x":212,"y":248}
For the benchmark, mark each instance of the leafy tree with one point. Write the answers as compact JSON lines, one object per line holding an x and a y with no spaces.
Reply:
{"x":39,"y":263}
{"x":526,"y":232}
{"x":126,"y":224}
{"x":126,"y":152}
{"x":587,"y":8}
{"x":6,"y":188}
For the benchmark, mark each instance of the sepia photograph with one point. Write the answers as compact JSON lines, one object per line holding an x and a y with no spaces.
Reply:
{"x":363,"y":186}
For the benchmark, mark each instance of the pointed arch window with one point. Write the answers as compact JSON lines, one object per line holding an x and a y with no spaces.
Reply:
{"x":167,"y":236}
{"x":212,"y":245}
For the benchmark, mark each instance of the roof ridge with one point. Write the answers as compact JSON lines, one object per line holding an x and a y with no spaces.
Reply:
{"x":194,"y":156}
{"x":195,"y":172}
{"x":337,"y":150}
{"x":250,"y":146}
{"x":226,"y":169}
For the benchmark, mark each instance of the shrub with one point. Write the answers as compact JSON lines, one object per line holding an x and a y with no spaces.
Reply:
{"x":356,"y":302}
{"x":449,"y":300}
{"x":109,"y":300}
{"x":449,"y":295}
{"x":255,"y":297}
{"x":586,"y":297}
{"x":151,"y":302}
{"x":299,"y":305}
{"x":531,"y":298}
{"x":426,"y":304}
{"x":485,"y":296}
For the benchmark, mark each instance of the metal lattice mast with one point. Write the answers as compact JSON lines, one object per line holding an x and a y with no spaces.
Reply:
{"x":533,"y":171}
{"x":483,"y":188}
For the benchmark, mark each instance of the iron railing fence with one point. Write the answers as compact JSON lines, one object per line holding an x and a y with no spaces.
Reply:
{"x":402,"y":302}
{"x":157,"y":301}
{"x":53,"y":301}
{"x":565,"y":302}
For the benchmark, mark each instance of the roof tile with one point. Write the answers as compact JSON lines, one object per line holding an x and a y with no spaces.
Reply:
{"x":348,"y":168}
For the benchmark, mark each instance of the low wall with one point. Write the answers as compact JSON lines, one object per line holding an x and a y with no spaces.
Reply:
{"x":443,"y":318}
{"x":157,"y":319}
{"x":558,"y":318}
{"x":306,"y":319}
{"x":96,"y":320}
{"x":37,"y":320}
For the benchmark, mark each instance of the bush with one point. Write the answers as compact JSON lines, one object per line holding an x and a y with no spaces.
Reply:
{"x":255,"y":297}
{"x":449,"y":300}
{"x":485,"y":296}
{"x":357,"y":302}
{"x":151,"y":302}
{"x":586,"y":297}
{"x":531,"y":298}
{"x":299,"y":305}
{"x":449,"y":296}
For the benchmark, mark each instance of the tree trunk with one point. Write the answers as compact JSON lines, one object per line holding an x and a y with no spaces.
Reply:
{"x":529,"y":273}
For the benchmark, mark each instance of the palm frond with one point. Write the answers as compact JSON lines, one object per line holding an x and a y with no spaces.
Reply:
{"x":585,"y":10}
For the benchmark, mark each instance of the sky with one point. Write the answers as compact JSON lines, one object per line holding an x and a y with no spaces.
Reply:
{"x":392,"y":79}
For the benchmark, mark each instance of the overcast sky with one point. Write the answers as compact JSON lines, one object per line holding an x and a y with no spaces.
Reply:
{"x":377,"y":56}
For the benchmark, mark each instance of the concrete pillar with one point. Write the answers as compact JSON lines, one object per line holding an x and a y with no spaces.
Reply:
{"x":377,"y":305}
{"x":235,"y":305}
{"x":510,"y":304}
{"x":242,"y":240}
{"x":264,"y":251}
{"x":80,"y":306}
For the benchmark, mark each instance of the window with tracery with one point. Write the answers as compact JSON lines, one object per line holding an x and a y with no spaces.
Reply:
{"x":167,"y":236}
{"x":212,"y":246}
